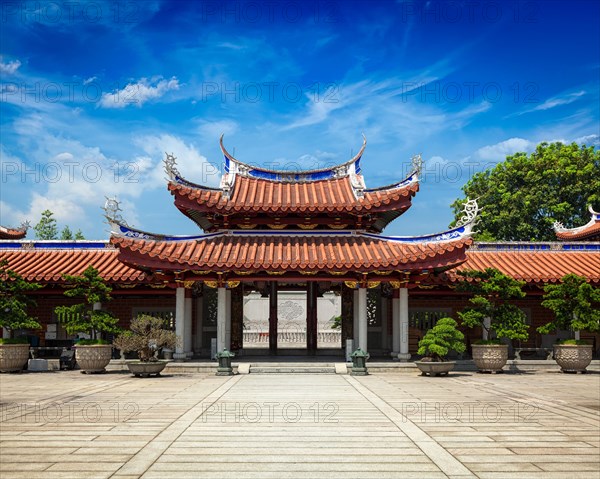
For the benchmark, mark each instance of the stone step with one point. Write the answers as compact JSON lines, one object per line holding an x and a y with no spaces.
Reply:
{"x":289,"y":369}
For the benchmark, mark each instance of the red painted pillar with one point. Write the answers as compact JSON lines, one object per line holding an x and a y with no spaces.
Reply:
{"x":273,"y":317}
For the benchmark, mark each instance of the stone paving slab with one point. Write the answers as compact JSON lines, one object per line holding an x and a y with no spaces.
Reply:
{"x":68,"y":425}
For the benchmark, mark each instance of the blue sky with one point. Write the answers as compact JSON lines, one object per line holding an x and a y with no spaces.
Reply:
{"x":94,"y":93}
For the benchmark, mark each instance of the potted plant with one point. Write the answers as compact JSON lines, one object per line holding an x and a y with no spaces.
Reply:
{"x":94,"y":354}
{"x":147,"y":335}
{"x":491,"y":309}
{"x":576,"y":307}
{"x":435,"y":346}
{"x":14,"y":302}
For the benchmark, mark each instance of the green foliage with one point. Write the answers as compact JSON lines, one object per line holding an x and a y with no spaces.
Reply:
{"x":66,"y":234}
{"x":575,"y":304}
{"x":46,"y":229}
{"x":146,"y":336}
{"x":91,"y":342}
{"x":14,"y":341}
{"x":82,"y":318}
{"x":337,"y":322}
{"x":79,"y":235}
{"x":574,"y":342}
{"x":441,"y":339}
{"x":14,"y":300}
{"x":521,"y":197}
{"x":493,"y":291}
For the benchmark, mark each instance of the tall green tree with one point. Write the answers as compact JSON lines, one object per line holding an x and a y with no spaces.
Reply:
{"x":15,"y":300}
{"x":79,"y":235}
{"x":575,"y":303}
{"x":521,"y":197}
{"x":491,"y":306}
{"x":82,"y":317}
{"x":46,"y":229}
{"x":66,"y":233}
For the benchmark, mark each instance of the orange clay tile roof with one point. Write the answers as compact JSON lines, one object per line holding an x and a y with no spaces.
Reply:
{"x":258,"y":195}
{"x":590,"y":231}
{"x":12,"y":233}
{"x":47,"y":264}
{"x":291,"y":253}
{"x":534,"y":266}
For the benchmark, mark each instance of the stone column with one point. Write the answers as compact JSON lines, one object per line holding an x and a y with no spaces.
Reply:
{"x":404,"y":355}
{"x":180,"y":324}
{"x":221,"y":319}
{"x":187,"y":328}
{"x":355,"y":317}
{"x":311,"y":317}
{"x":396,"y":324}
{"x":362,"y":319}
{"x":199,"y":324}
{"x":228,"y":319}
{"x":273,"y":317}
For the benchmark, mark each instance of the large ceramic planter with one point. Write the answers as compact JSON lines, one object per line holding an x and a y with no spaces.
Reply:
{"x":93,"y":358}
{"x":433,"y":368}
{"x":573,"y":358}
{"x":13,"y":357}
{"x":145,"y":369}
{"x":490,"y":358}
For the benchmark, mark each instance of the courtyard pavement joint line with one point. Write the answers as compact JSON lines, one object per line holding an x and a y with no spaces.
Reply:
{"x":148,"y":455}
{"x":448,"y":464}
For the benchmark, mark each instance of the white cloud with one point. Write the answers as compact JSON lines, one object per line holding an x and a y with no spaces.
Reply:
{"x":191,"y":164}
{"x":89,"y":80}
{"x":499,"y":151}
{"x":559,"y":100}
{"x":212,"y":130}
{"x":590,"y":140}
{"x":9,"y":68}
{"x":138,"y":93}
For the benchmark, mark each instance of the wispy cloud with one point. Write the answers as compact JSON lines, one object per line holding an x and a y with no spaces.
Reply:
{"x":138,"y":93}
{"x":559,"y":100}
{"x":500,"y":151}
{"x":9,"y":68}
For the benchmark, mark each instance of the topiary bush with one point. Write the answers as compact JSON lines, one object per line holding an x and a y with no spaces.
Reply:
{"x":441,"y":339}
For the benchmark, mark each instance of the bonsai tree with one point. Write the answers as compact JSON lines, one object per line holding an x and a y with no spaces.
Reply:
{"x":14,"y":302}
{"x":146,"y":336}
{"x":490,"y":307}
{"x":441,"y":339}
{"x":575,"y":304}
{"x":82,"y":317}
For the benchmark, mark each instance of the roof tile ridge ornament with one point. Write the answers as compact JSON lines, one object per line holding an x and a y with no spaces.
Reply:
{"x":462,"y":230}
{"x":233,"y":166}
{"x":353,"y":170}
{"x":120,"y":229}
{"x":560,"y":228}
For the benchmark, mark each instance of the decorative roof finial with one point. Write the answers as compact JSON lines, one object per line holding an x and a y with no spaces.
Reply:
{"x":24,"y":226}
{"x":170,"y":163}
{"x":470,"y":211}
{"x":558,"y":227}
{"x":111,"y":211}
{"x":417,"y":164}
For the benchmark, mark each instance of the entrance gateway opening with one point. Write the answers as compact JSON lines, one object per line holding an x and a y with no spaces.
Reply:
{"x":283,"y":256}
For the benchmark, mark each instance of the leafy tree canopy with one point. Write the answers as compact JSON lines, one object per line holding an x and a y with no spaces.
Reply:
{"x":66,"y":234}
{"x":46,"y":229}
{"x":441,"y":339}
{"x":82,"y":318}
{"x":493,"y":292}
{"x":575,"y":303}
{"x":14,"y":300}
{"x":521,"y":197}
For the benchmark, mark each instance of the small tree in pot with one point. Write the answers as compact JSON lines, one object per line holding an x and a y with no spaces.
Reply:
{"x":94,"y":354}
{"x":14,"y":303}
{"x":146,"y":336}
{"x":435,"y":346}
{"x":491,"y":309}
{"x":576,"y":307}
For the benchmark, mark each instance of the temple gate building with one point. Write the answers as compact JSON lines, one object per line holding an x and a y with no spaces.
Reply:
{"x":315,"y":235}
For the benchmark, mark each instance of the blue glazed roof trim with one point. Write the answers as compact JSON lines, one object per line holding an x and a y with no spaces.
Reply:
{"x":452,"y":234}
{"x":128,"y":232}
{"x":291,"y":176}
{"x":407,"y":181}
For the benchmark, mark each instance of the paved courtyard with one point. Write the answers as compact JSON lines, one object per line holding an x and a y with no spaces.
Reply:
{"x":69,"y":425}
